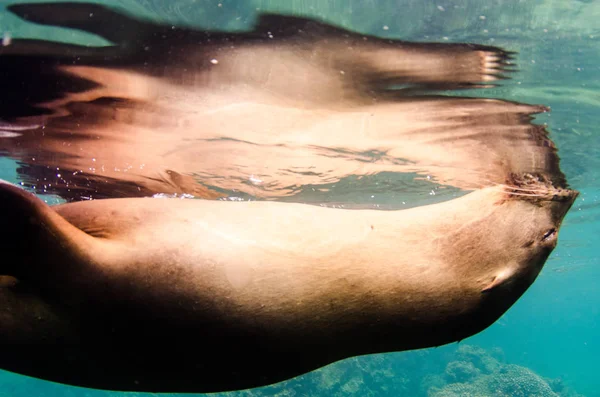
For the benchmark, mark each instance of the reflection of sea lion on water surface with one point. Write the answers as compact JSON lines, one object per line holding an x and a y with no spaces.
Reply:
{"x":294,"y":101}
{"x":197,"y":296}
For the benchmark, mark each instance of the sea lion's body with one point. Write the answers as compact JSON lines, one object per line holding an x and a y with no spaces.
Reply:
{"x":188,"y":295}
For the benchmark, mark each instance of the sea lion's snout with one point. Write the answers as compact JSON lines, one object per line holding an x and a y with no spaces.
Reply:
{"x":532,"y":223}
{"x":562,"y":203}
{"x":558,"y":208}
{"x":548,"y":216}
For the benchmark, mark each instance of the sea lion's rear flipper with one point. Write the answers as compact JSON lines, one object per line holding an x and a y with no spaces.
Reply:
{"x":36,"y":243}
{"x":57,"y":111}
{"x":37,"y":77}
{"x":30,"y":81}
{"x":33,"y":70}
{"x":82,"y":98}
{"x":89,"y":17}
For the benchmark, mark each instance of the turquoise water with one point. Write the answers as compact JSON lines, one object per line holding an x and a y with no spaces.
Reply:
{"x":548,"y":344}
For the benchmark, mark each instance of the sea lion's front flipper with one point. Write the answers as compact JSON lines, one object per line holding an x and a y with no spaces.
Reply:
{"x":36,"y":242}
{"x":376,"y":65}
{"x":89,"y":17}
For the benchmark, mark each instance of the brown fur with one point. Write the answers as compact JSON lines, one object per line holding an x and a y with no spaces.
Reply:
{"x":183,"y":295}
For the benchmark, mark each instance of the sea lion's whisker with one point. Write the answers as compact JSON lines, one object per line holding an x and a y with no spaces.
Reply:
{"x":526,"y":190}
{"x":511,"y":187}
{"x":524,"y":194}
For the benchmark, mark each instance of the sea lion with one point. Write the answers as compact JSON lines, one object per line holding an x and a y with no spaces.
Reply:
{"x":200,"y":296}
{"x":166,"y":295}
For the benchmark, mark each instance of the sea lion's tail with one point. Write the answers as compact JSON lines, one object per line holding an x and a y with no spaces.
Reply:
{"x":33,"y":236}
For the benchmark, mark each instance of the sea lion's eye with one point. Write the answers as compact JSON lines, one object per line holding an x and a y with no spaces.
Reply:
{"x":549,"y":234}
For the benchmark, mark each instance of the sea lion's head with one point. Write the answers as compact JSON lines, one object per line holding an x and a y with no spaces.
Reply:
{"x":498,"y":255}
